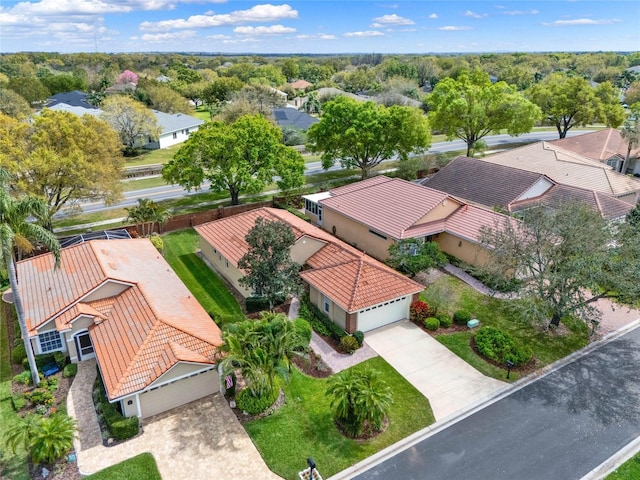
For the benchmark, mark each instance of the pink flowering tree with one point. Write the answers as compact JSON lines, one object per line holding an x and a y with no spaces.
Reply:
{"x":128,"y":77}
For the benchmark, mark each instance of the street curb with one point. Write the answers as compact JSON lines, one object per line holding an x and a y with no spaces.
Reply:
{"x":436,"y":427}
{"x":613,"y":463}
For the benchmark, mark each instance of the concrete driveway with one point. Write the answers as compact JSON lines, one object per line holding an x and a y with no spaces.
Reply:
{"x":448,"y":382}
{"x":202,"y":439}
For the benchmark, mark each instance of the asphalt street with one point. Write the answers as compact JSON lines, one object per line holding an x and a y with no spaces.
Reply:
{"x":166,"y":192}
{"x":559,"y":427}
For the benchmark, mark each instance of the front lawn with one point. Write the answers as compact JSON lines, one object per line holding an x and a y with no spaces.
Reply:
{"x":11,"y":466}
{"x":630,"y":470}
{"x":206,"y":286}
{"x":451,"y":294}
{"x":304,"y":427}
{"x":140,"y":467}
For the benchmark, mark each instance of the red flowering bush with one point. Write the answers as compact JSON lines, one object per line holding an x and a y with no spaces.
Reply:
{"x":419,"y":311}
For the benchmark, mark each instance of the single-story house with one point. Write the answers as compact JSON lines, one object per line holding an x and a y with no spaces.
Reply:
{"x":300,"y":84}
{"x":120,"y":88}
{"x":290,"y":117}
{"x":606,"y":146}
{"x":373,"y":214}
{"x":75,"y":98}
{"x":174,"y":128}
{"x":514,"y":190}
{"x":570,"y":168}
{"x":119,"y":301}
{"x":356,"y":291}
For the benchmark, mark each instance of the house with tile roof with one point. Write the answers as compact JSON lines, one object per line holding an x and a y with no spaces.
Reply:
{"x":570,"y":168}
{"x":356,"y":291}
{"x":373,"y":214}
{"x":513,"y":190}
{"x":606,"y":146}
{"x":119,"y":301}
{"x":291,"y":118}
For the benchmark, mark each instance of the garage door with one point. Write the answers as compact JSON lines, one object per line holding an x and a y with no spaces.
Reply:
{"x":383,"y":314}
{"x":178,"y":393}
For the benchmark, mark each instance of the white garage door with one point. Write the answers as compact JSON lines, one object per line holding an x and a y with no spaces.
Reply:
{"x":178,"y":393}
{"x":383,"y":314}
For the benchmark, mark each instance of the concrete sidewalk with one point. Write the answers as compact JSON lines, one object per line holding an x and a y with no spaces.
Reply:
{"x":445,"y":379}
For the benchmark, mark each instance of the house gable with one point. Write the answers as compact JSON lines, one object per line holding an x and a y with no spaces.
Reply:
{"x":542,"y":185}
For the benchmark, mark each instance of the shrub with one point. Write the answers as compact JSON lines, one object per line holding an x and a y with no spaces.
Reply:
{"x":461,"y":317}
{"x":44,"y":359}
{"x":258,"y":304}
{"x":349,"y":344}
{"x":419,"y":311}
{"x":500,"y":347}
{"x":70,"y":370}
{"x":254,"y":405}
{"x":445,"y":320}
{"x":18,"y":401}
{"x":40,"y":396}
{"x":432,"y":323}
{"x":303,"y":330}
{"x":19,"y":353}
{"x":359,"y":336}
{"x":60,"y":358}
{"x":124,"y":427}
{"x":23,"y":378}
{"x":157,"y":242}
{"x":320,"y":322}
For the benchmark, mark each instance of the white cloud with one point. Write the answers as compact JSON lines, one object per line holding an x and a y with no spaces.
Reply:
{"x":454,"y":28}
{"x":167,"y":37}
{"x":521,"y":12}
{"x":68,"y":7}
{"x":392,"y":19}
{"x":581,"y":21}
{"x":270,"y":30}
{"x":471,"y":14}
{"x":319,"y":36}
{"x":217,"y":37}
{"x":433,"y":15}
{"x":368,"y":33}
{"x":257,"y":13}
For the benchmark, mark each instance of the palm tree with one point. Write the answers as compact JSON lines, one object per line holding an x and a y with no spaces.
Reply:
{"x":359,"y":397}
{"x":146,"y":213}
{"x":18,"y":233}
{"x":47,"y":439}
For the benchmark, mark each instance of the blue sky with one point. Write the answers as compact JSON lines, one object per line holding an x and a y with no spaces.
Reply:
{"x":308,"y":26}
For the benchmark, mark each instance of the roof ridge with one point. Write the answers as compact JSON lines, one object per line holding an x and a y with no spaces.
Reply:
{"x":356,"y":283}
{"x":600,"y":207}
{"x":605,"y":144}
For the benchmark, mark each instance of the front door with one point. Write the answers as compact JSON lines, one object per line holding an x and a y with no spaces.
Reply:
{"x":84,"y":346}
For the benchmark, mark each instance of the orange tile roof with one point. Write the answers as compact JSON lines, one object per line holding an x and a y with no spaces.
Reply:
{"x":350,"y":278}
{"x":131,"y":328}
{"x":600,"y":144}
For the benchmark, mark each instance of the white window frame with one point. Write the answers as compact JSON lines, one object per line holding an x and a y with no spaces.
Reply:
{"x":42,"y":343}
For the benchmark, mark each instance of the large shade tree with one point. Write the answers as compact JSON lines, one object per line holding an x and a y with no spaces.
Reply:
{"x":63,"y":159}
{"x":471,"y":107}
{"x":567,"y":258}
{"x":19,"y":235}
{"x":364,"y":134}
{"x":134,"y":122}
{"x":568,"y":101}
{"x":241,"y":157}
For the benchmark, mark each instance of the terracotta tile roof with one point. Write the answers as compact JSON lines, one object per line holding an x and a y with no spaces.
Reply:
{"x":481,"y":182}
{"x":388,"y":205}
{"x":343,"y":273}
{"x":468,"y":221}
{"x":566,"y":167}
{"x":476,"y":180}
{"x":131,"y":327}
{"x":600,"y":145}
{"x":301,"y":84}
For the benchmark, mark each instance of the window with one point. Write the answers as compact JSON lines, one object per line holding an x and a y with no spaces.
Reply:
{"x":175,"y":135}
{"x":50,"y":341}
{"x":325,"y":303}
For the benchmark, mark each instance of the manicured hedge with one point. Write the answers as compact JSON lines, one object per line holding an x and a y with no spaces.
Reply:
{"x":445,"y":320}
{"x":254,"y":405}
{"x":349,"y":344}
{"x":461,"y":317}
{"x":70,"y":370}
{"x":58,"y":358}
{"x":431,"y":323}
{"x":303,"y":330}
{"x":320,"y":322}
{"x":120,"y":428}
{"x":19,"y":353}
{"x":499,"y":346}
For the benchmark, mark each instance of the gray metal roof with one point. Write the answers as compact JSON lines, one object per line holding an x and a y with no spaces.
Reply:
{"x":173,"y":122}
{"x":75,"y":99}
{"x":290,"y":117}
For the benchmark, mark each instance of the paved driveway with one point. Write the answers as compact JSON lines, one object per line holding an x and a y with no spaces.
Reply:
{"x":448,"y":382}
{"x":202,"y":439}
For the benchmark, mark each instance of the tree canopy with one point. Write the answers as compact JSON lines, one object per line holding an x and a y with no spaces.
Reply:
{"x":241,"y":157}
{"x":567,"y":101}
{"x":134,"y":122}
{"x":364,"y":134}
{"x":567,"y":258}
{"x":62,"y":158}
{"x":471,"y":107}
{"x":411,"y":256}
{"x":270,"y":271}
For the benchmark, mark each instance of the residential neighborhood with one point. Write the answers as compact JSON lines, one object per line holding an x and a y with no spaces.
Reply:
{"x":346,"y":266}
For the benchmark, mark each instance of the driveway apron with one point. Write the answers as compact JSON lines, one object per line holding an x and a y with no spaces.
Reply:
{"x":202,"y":439}
{"x":448,"y":382}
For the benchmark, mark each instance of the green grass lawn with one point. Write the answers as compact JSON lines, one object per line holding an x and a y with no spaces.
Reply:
{"x":140,"y":467}
{"x":630,"y":470}
{"x":152,"y":157}
{"x":304,"y":427}
{"x":206,"y":286}
{"x":13,"y":466}
{"x":450,"y":294}
{"x":142,"y":183}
